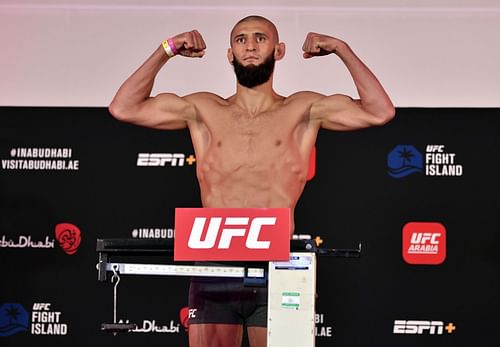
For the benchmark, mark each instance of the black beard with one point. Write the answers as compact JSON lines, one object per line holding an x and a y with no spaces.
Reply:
{"x":254,"y":75}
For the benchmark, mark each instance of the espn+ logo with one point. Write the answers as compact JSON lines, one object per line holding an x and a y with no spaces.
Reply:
{"x":164,"y":159}
{"x":424,"y":243}
{"x":232,"y":227}
{"x":420,"y":327}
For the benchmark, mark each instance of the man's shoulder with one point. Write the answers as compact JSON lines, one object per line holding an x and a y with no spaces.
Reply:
{"x":303,"y":96}
{"x":205,"y":97}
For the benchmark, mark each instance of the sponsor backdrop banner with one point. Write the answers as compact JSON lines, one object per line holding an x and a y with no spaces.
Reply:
{"x":420,"y":194}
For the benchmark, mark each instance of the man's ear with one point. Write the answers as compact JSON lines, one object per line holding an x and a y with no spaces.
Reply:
{"x":230,"y":56}
{"x":279,"y":51}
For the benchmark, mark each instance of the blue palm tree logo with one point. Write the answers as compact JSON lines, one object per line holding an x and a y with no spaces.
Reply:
{"x":13,"y":319}
{"x":404,"y":160}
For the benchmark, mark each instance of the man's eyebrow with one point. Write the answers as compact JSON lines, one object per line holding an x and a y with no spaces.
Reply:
{"x":257,"y":33}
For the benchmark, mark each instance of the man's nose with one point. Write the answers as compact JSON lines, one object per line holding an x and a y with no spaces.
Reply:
{"x":251,"y":46}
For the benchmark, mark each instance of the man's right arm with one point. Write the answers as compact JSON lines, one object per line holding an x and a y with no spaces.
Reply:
{"x":133,"y":103}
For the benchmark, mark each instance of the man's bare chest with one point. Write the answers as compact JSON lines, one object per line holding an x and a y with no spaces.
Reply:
{"x":252,"y":134}
{"x":281,"y":122}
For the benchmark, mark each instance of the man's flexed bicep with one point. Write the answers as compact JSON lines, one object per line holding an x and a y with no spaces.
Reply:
{"x":340,"y":112}
{"x":133,"y":103}
{"x":165,"y":111}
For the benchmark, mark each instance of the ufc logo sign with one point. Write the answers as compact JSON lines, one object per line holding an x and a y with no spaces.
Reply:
{"x":435,"y":148}
{"x":41,"y":306}
{"x":229,"y":231}
{"x":423,"y":238}
{"x":229,"y":234}
{"x":424,"y":243}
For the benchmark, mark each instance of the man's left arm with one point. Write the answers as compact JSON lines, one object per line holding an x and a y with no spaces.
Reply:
{"x":340,"y":112}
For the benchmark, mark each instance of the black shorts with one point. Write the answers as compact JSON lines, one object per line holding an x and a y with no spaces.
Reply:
{"x":226,"y":301}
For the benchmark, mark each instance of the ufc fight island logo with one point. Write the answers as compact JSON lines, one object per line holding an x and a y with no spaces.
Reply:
{"x":424,"y":243}
{"x":232,"y":234}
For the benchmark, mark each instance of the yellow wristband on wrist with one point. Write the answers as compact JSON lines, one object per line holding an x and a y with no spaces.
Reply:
{"x":168,"y":49}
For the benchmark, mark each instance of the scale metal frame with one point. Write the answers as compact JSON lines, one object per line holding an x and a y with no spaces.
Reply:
{"x":291,"y":284}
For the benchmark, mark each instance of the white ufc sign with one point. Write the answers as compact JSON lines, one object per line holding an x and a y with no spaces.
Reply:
{"x":232,"y":227}
{"x":424,"y":238}
{"x":232,"y":234}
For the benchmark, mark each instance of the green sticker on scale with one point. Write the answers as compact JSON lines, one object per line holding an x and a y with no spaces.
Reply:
{"x":290,"y":300}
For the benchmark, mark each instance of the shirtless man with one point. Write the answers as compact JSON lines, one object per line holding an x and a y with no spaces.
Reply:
{"x":252,"y":148}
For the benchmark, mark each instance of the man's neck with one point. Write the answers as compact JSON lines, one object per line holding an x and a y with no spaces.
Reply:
{"x":256,"y":100}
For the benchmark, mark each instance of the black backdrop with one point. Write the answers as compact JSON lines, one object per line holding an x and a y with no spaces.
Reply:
{"x":50,"y":297}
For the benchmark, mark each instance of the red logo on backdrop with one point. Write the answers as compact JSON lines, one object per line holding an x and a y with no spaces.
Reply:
{"x":184,"y":317}
{"x":232,"y":234}
{"x":69,"y":237}
{"x":424,"y":243}
{"x":312,"y":165}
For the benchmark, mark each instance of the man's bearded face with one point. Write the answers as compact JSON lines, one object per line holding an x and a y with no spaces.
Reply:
{"x":254,"y":75}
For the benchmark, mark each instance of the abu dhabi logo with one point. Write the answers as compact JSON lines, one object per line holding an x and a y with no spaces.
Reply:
{"x":404,"y":160}
{"x":13,"y":319}
{"x":69,"y":237}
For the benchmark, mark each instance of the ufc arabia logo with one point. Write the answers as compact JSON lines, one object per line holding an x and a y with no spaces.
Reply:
{"x":424,"y":243}
{"x":232,"y":227}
